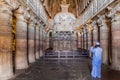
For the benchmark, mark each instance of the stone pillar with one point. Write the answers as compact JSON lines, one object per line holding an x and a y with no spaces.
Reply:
{"x":79,"y":40}
{"x":89,"y":38}
{"x":21,"y":39}
{"x":43,"y":40}
{"x":47,"y":41}
{"x":50,"y":40}
{"x":40,"y":41}
{"x":74,"y":41}
{"x":37,"y":42}
{"x":83,"y":39}
{"x":104,"y":37}
{"x":82,"y":43}
{"x":6,"y":66}
{"x":31,"y":54}
{"x":115,"y":15}
{"x":92,"y":42}
{"x":95,"y":32}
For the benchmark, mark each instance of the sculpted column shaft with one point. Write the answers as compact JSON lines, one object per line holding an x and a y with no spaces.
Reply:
{"x":104,"y":37}
{"x":47,"y":41}
{"x":95,"y":32}
{"x":79,"y":40}
{"x":21,"y":40}
{"x":31,"y":54}
{"x":51,"y":41}
{"x":37,"y":42}
{"x":92,"y":37}
{"x":6,"y":66}
{"x":115,"y":15}
{"x":89,"y":38}
{"x":85,"y":38}
{"x":82,"y":39}
{"x":41,"y":41}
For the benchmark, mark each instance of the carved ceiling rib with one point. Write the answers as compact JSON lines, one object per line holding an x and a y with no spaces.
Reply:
{"x":76,"y":6}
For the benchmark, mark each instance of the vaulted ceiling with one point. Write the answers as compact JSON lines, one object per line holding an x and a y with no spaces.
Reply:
{"x":76,"y":6}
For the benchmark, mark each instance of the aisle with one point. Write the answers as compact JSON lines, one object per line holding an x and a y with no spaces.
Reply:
{"x":57,"y":70}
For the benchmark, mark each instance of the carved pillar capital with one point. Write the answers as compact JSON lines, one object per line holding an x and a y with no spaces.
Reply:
{"x":31,"y":20}
{"x":84,"y":29}
{"x":5,"y":8}
{"x":94,"y":25}
{"x":19,"y":13}
{"x":102,"y":22}
{"x":27,"y":15}
{"x":114,"y":12}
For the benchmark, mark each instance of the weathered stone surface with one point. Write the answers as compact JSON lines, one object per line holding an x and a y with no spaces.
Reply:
{"x":37,"y":49}
{"x":95,"y":32}
{"x":31,"y":55}
{"x":21,"y":39}
{"x":21,"y":54}
{"x":89,"y":40}
{"x":37,"y":43}
{"x":104,"y":37}
{"x":41,"y":48}
{"x":6,"y":66}
{"x":116,"y":42}
{"x":31,"y":42}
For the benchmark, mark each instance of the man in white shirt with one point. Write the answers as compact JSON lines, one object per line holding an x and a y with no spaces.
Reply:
{"x":96,"y":61}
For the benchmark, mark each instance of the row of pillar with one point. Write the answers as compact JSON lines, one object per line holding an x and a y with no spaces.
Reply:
{"x":27,"y":37}
{"x":105,"y":29}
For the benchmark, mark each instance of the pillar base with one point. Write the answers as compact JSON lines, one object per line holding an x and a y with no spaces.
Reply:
{"x":6,"y":77}
{"x":37,"y":55}
{"x":115,"y":67}
{"x":21,"y":54}
{"x":41,"y":53}
{"x":31,"y":54}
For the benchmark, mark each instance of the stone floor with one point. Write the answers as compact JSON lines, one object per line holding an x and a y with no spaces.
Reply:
{"x":64,"y":70}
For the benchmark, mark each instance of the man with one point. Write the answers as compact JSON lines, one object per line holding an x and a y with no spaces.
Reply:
{"x":96,"y":61}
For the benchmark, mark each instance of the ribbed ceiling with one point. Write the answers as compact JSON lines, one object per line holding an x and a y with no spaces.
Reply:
{"x":53,"y":6}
